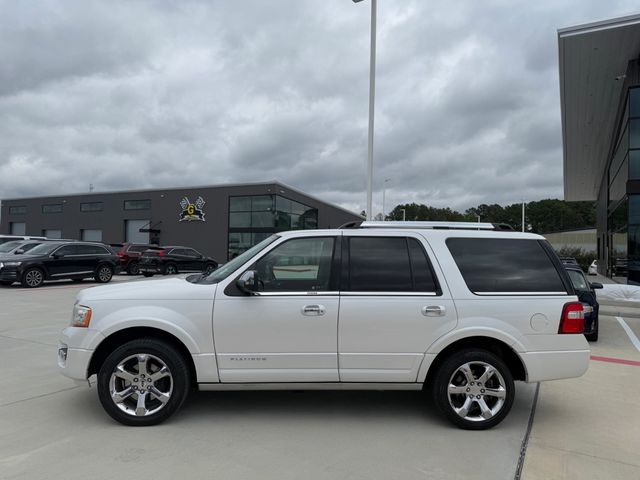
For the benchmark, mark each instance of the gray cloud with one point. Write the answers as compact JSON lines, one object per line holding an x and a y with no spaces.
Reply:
{"x":133,"y":94}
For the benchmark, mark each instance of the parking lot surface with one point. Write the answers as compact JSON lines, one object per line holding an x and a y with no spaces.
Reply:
{"x":50,"y":428}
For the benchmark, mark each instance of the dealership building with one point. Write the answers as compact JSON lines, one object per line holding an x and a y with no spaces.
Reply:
{"x":220,"y":221}
{"x":600,"y":103}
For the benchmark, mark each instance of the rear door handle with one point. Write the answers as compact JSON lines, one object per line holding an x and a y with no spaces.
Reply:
{"x":313,"y":310}
{"x":434,"y":311}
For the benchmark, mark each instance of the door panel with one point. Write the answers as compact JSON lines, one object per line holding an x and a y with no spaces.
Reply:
{"x":383,"y":338}
{"x":287,"y":330}
{"x":385,"y":329}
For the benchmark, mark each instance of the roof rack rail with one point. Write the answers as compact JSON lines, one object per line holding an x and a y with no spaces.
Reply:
{"x":430,"y":225}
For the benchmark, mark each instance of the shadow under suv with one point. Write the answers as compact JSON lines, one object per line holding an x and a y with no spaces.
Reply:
{"x":58,"y":261}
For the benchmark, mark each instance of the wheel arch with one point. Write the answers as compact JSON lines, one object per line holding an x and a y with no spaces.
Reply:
{"x":120,"y":337}
{"x":491,"y":344}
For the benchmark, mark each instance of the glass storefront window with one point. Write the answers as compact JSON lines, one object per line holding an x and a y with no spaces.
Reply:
{"x":262,"y":220}
{"x":634,"y":102}
{"x":634,"y":164}
{"x":262,"y":203}
{"x":239,"y":219}
{"x":634,"y":133}
{"x":240,"y":204}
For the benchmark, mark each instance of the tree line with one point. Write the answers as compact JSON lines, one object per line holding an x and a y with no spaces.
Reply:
{"x":542,"y":216}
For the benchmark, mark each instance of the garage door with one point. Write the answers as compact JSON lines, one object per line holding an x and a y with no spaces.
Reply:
{"x":133,"y":233}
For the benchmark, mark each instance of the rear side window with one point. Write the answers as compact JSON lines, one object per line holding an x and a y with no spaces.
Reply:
{"x":504,"y":265}
{"x":389,"y":264}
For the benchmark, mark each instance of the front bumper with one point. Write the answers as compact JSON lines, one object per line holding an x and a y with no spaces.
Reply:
{"x":9,"y":275}
{"x":75,"y":350}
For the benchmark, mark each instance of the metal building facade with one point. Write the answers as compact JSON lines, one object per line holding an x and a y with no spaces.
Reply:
{"x":219,"y":220}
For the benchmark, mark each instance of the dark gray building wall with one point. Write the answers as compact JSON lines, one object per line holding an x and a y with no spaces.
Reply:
{"x":209,"y":237}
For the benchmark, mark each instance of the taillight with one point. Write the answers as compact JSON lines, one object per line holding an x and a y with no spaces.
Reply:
{"x":161,"y":253}
{"x":120,"y":254}
{"x":572,"y":320}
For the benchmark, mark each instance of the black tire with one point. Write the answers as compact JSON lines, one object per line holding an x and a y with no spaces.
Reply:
{"x":32,"y":278}
{"x":104,"y":274}
{"x":6,"y":283}
{"x":133,"y":268}
{"x":147,"y":274}
{"x":449,"y":373}
{"x":593,"y":337}
{"x":158,"y":352}
{"x":170,"y":269}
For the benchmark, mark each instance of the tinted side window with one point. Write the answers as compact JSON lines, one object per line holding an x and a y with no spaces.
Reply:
{"x":138,"y":248}
{"x":91,"y":250}
{"x":66,"y":250}
{"x":379,"y":264}
{"x":504,"y":265}
{"x":423,"y":276}
{"x":299,"y":265}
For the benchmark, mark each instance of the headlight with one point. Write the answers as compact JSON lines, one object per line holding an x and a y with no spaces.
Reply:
{"x":81,"y":316}
{"x":10,"y":264}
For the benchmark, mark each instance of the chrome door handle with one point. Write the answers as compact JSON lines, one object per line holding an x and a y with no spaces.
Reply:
{"x":434,"y":311}
{"x":313,"y":310}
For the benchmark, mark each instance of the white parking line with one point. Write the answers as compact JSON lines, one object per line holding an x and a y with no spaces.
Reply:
{"x":632,"y":336}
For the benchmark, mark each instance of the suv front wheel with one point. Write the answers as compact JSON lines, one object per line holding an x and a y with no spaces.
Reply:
{"x":143,"y":382}
{"x":474,"y":389}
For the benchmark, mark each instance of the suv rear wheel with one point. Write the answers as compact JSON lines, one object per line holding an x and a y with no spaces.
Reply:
{"x":133,"y":268}
{"x":104,"y":274}
{"x":143,"y":382}
{"x":474,"y":389}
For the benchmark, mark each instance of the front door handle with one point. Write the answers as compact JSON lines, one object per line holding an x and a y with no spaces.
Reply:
{"x":313,"y":310}
{"x":434,"y":311}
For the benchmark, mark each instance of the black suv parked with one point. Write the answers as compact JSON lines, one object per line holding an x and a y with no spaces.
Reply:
{"x":172,"y":260}
{"x":587,"y":295}
{"x":60,"y":260}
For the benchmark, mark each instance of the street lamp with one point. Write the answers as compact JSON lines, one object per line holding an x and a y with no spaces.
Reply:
{"x":384,"y":193}
{"x":404,"y":214}
{"x":372,"y":90}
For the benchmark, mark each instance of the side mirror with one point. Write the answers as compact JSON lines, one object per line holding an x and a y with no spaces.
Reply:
{"x":248,"y":282}
{"x":57,"y":255}
{"x":19,"y":251}
{"x":596,"y":285}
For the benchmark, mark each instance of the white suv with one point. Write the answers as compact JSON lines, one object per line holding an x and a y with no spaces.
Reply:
{"x":462,"y":309}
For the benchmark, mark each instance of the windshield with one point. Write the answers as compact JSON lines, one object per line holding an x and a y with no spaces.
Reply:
{"x":578,"y":280}
{"x":44,"y":249}
{"x":232,"y":265}
{"x":9,"y":246}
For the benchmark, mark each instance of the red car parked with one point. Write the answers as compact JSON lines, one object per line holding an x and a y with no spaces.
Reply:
{"x":129,"y":256}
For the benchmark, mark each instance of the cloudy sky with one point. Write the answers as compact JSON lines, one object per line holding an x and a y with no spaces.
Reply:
{"x":139,"y":94}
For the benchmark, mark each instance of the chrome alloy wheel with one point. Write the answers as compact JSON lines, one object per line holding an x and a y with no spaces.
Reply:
{"x":477,"y":391}
{"x":33,"y":278}
{"x":104,"y":274}
{"x":141,"y":385}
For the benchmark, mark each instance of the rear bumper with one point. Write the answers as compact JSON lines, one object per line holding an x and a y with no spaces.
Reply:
{"x":555,"y":365}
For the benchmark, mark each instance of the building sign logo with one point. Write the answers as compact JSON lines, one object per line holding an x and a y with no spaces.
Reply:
{"x":192,"y":211}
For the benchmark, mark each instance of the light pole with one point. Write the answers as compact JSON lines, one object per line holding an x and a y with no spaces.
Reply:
{"x":384,"y":194}
{"x":372,"y":91}
{"x":404,"y":214}
{"x":523,"y":215}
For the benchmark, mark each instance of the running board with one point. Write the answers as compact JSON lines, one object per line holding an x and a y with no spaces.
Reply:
{"x":309,"y":386}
